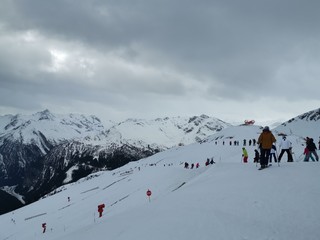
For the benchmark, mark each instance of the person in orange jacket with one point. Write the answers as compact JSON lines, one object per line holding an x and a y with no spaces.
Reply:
{"x":265,"y":140}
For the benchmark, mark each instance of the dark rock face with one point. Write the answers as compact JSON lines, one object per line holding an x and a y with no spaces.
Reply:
{"x":8,"y":202}
{"x":35,"y":174}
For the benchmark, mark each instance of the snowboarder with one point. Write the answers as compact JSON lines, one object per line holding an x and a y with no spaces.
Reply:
{"x":273,"y":153}
{"x":245,"y":155}
{"x":266,"y":139}
{"x":285,"y":146}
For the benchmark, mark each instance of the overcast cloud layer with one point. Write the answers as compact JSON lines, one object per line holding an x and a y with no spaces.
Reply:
{"x":235,"y":60}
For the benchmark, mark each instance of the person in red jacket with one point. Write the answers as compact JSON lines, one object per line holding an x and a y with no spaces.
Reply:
{"x":266,"y":139}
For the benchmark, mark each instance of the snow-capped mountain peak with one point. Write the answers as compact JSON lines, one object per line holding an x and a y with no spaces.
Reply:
{"x":55,"y":128}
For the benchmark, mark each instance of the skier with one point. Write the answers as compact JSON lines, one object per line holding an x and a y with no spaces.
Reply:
{"x":207,"y":162}
{"x":312,"y":148}
{"x":266,"y":139}
{"x":245,"y":155}
{"x":256,"y":156}
{"x":186,"y":165}
{"x":285,"y":146}
{"x":307,"y":155}
{"x":273,"y":153}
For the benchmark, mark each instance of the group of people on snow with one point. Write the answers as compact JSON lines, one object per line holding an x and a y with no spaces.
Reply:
{"x":237,"y":143}
{"x":197,"y":165}
{"x":268,"y":151}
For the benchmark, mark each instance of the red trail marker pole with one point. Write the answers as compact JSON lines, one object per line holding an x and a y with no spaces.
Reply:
{"x":149,"y":194}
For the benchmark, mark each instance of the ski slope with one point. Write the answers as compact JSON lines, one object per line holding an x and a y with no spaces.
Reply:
{"x":227,"y":200}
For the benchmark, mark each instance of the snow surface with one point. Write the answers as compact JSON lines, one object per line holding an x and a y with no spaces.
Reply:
{"x":227,"y":200}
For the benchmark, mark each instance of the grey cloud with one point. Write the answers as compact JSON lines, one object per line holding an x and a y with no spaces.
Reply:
{"x":141,"y":50}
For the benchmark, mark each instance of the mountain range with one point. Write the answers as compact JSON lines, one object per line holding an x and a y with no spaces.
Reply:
{"x":42,"y":151}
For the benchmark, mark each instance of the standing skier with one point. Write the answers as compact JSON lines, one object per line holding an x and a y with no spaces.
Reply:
{"x":285,"y":146}
{"x":273,"y":153}
{"x":266,"y":139}
{"x":245,"y":155}
{"x":256,"y":156}
{"x":307,"y":155}
{"x":312,"y":148}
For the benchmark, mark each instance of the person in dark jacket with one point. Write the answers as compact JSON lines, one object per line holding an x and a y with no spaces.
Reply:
{"x":256,"y":156}
{"x":311,"y":146}
{"x":306,"y":153}
{"x":265,"y":140}
{"x":273,"y":153}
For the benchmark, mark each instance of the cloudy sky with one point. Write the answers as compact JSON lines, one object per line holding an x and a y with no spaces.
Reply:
{"x":119,"y":59}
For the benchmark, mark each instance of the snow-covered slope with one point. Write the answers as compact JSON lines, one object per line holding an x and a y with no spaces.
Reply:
{"x":40,"y":152}
{"x":227,"y":200}
{"x":304,"y":125}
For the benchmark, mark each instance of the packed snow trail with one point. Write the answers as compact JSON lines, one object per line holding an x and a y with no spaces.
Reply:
{"x":222,"y":201}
